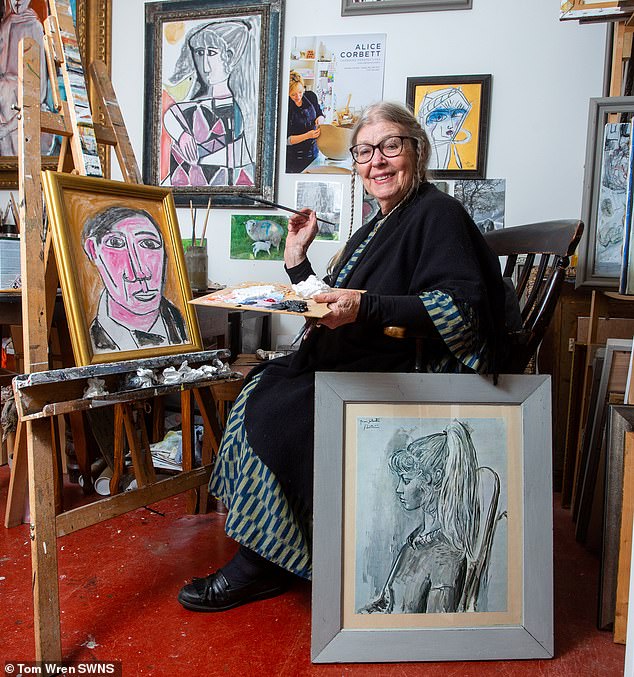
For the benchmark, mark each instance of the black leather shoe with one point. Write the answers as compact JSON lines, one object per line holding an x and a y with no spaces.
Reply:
{"x":214,"y":593}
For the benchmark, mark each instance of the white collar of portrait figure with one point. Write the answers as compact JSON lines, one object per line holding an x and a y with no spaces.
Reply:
{"x":125,"y":338}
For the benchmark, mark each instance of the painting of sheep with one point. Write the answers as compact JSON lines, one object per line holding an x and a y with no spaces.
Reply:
{"x":258,"y":237}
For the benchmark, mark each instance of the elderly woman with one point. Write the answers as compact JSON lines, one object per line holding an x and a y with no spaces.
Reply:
{"x":423,"y":263}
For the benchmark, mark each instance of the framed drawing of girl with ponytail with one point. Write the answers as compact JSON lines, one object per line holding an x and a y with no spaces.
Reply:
{"x":425,"y":480}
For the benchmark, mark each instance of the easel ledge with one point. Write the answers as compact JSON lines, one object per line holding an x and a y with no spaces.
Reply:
{"x":58,"y":391}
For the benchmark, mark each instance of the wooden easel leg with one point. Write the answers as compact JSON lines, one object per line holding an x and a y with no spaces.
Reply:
{"x":209,"y":410}
{"x":187,"y":426}
{"x":18,"y":483}
{"x":207,"y":458}
{"x":58,"y":478}
{"x":78,"y":430}
{"x":158,"y":419}
{"x":206,"y":403}
{"x":48,"y":645}
{"x":119,"y":450}
{"x":139,"y":449}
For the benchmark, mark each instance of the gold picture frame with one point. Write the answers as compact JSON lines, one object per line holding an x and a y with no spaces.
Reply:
{"x":121,"y":267}
{"x":93,"y":24}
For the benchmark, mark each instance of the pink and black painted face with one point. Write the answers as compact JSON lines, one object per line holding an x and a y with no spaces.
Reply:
{"x":130,"y":258}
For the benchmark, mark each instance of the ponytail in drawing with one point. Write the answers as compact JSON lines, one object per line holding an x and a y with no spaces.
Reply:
{"x":458,"y":508}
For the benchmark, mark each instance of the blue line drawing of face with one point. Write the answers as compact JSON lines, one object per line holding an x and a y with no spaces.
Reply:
{"x":442,"y":114}
{"x":449,"y":120}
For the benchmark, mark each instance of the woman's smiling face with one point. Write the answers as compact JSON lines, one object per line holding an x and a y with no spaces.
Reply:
{"x":388,"y":179}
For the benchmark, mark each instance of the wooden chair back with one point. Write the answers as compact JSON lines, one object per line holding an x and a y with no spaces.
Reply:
{"x":537,"y":285}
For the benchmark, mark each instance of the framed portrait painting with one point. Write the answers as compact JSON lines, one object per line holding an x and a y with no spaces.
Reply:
{"x":432,"y":518}
{"x":211,"y":93}
{"x":121,"y":267}
{"x":355,"y":7}
{"x":25,"y":19}
{"x":454,"y":111}
{"x":605,"y":187}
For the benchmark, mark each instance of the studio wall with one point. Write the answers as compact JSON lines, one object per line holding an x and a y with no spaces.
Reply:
{"x":543,"y":73}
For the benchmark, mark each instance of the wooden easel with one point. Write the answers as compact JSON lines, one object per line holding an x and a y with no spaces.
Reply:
{"x":39,"y":279}
{"x":39,"y":286}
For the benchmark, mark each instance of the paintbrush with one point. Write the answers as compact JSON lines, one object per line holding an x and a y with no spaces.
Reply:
{"x":244,"y":196}
{"x":193,"y":218}
{"x":202,"y":237}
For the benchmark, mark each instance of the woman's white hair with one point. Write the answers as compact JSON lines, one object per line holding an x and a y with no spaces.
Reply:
{"x":388,"y":111}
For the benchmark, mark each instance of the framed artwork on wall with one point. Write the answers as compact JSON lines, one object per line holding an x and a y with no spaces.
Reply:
{"x":454,"y":111}
{"x":121,"y":267}
{"x":93,"y":27}
{"x":355,"y":7}
{"x":432,"y":518}
{"x":605,"y":182}
{"x":211,"y":93}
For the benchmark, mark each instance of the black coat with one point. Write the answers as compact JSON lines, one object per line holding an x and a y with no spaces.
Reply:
{"x":430,"y":243}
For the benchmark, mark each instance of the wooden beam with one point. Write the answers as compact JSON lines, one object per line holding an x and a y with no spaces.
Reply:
{"x":18,"y":482}
{"x":107,"y":508}
{"x":114,"y":119}
{"x":55,"y":123}
{"x":625,"y":544}
{"x":139,"y":448}
{"x":187,"y":427}
{"x":119,"y":450}
{"x":616,"y":76}
{"x":209,"y":415}
{"x":35,"y":326}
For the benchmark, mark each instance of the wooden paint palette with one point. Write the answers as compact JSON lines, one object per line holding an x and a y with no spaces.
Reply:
{"x":225,"y":298}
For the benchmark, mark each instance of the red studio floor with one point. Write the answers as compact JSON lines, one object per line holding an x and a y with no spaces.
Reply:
{"x":118,"y":583}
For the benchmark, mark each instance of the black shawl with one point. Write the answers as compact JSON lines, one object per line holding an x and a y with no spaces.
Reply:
{"x":429,"y":243}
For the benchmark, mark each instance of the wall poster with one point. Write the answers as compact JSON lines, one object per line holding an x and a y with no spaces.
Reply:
{"x":332,"y":79}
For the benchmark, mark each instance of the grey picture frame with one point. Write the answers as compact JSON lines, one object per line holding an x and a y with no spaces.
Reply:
{"x":262,"y":110}
{"x":598,"y":116}
{"x":352,"y":8}
{"x":620,"y":421}
{"x":458,"y":638}
{"x":596,"y":425}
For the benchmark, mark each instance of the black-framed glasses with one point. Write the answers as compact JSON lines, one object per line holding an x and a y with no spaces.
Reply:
{"x":390,"y":147}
